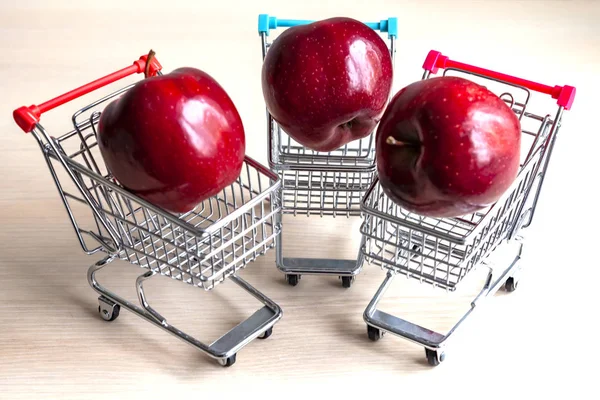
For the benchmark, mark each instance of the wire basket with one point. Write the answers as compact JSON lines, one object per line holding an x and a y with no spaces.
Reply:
{"x":201,"y":247}
{"x":442,"y":251}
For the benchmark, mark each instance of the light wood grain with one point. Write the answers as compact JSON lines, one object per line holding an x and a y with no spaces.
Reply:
{"x":537,"y":340}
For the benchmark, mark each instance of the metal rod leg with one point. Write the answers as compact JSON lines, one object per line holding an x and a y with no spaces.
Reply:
{"x":295,"y":267}
{"x":389,"y":277}
{"x":279,"y":241}
{"x":434,"y":342}
{"x":142,"y":298}
{"x":256,"y":294}
{"x":223,"y":349}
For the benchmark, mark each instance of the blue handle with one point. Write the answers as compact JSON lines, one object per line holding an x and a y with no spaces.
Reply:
{"x":266,"y":23}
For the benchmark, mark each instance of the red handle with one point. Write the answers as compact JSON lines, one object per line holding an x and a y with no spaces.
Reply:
{"x":27,"y":117}
{"x":565,"y":95}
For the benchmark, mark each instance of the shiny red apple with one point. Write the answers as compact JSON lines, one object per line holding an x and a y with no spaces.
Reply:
{"x":327,"y":83}
{"x":174,"y":140}
{"x":446,"y":147}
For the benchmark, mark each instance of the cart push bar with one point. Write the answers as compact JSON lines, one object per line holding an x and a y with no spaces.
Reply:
{"x":28,"y":117}
{"x":565,"y":95}
{"x":267,"y":22}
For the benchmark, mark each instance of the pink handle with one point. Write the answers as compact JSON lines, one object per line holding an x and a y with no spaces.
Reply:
{"x":27,"y":117}
{"x":565,"y":95}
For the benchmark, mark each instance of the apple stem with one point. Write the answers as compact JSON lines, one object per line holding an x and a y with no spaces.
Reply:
{"x":148,"y":61}
{"x":390,"y":140}
{"x":393,"y":142}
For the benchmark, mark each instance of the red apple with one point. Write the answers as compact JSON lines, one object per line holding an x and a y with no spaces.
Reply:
{"x":328,"y":82}
{"x":174,"y":140}
{"x":446,"y":147}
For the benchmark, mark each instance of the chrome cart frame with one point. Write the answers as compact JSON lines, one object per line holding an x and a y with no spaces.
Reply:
{"x":203,"y":247}
{"x":319,"y":183}
{"x":443,"y":251}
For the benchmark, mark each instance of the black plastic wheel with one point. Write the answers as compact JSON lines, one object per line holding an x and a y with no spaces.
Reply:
{"x":115,"y":313}
{"x":292,"y":279}
{"x":432,"y":357}
{"x":229,"y":361}
{"x":374,"y":333}
{"x":511,"y":284}
{"x":347,"y":281}
{"x":266,"y":333}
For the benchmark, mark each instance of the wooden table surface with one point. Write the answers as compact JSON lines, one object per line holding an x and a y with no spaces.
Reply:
{"x":538,"y":340}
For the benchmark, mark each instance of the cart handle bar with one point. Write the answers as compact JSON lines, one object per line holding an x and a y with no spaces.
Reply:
{"x":565,"y":95}
{"x":267,"y":22}
{"x":28,"y":117}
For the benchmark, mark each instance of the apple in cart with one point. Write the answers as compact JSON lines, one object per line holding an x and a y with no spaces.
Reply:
{"x":327,"y":83}
{"x":173,"y":140}
{"x":446,"y":147}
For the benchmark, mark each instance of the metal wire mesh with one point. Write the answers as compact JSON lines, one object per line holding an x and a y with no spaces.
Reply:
{"x":320,"y":183}
{"x":324,"y":192}
{"x":437,"y":251}
{"x":201,"y":247}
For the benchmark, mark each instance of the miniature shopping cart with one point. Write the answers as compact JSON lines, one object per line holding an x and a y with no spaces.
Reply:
{"x":202,"y":247}
{"x":319,"y":183}
{"x":443,"y":251}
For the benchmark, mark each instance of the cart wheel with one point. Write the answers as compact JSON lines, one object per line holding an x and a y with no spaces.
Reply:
{"x":434,"y":358}
{"x":347,"y":281}
{"x":374,"y":333}
{"x":108,"y":310}
{"x":292,"y":279}
{"x":511,"y":284}
{"x":266,"y":333}
{"x":227,"y":362}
